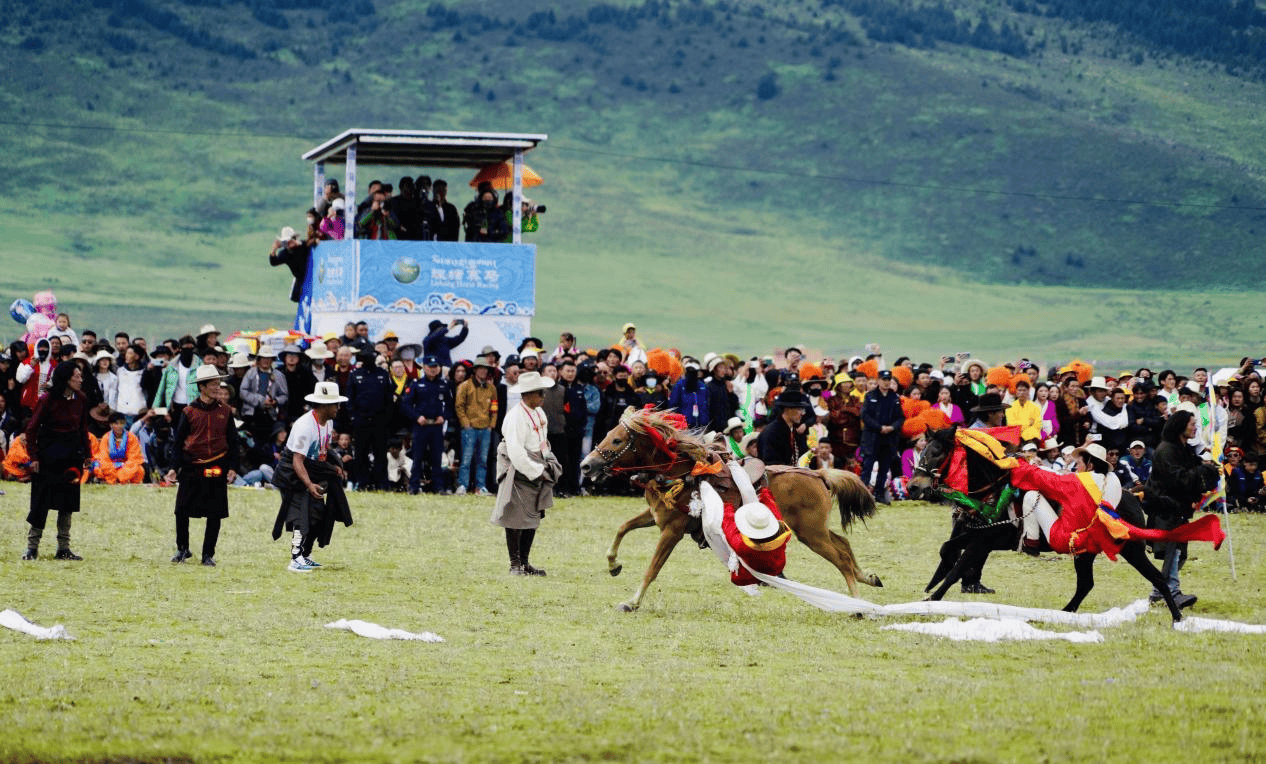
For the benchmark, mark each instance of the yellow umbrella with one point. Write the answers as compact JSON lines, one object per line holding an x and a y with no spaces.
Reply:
{"x":501,"y":176}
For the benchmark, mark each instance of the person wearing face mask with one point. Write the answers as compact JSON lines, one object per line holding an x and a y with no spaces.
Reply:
{"x":690,"y":397}
{"x":176,"y":389}
{"x":152,"y":377}
{"x":650,"y":391}
{"x":482,"y":219}
{"x":33,"y":374}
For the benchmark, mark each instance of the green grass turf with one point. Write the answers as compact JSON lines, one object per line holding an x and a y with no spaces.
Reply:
{"x":232,"y":664}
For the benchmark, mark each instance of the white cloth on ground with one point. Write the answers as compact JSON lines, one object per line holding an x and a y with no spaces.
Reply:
{"x":12,"y":619}
{"x":374,"y":631}
{"x":992,"y":630}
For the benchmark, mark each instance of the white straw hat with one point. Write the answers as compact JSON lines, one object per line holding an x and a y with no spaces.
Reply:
{"x":531,"y":381}
{"x":756,"y":521}
{"x":325,"y":393}
{"x":207,"y":373}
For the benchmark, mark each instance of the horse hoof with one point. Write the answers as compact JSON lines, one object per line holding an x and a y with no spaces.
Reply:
{"x":616,"y":570}
{"x":875,"y":581}
{"x":625,"y":607}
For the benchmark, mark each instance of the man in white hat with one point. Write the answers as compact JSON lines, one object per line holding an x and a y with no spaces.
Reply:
{"x":526,"y":472}
{"x":318,"y":354}
{"x":758,"y":536}
{"x":208,"y":337}
{"x":205,"y":456}
{"x":311,"y":484}
{"x":290,"y":251}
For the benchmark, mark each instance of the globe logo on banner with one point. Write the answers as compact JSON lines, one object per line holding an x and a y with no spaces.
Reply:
{"x":406,"y":270}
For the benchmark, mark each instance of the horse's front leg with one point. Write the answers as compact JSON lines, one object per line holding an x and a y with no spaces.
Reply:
{"x":1084,"y":564}
{"x":644,"y":520}
{"x":670,"y":533}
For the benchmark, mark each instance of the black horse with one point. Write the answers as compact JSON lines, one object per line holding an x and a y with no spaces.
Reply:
{"x":972,"y":537}
{"x":973,"y":546}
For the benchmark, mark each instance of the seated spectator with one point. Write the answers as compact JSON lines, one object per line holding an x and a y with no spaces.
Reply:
{"x":17,"y":462}
{"x":399,"y":466}
{"x":1244,"y":488}
{"x":118,"y":457}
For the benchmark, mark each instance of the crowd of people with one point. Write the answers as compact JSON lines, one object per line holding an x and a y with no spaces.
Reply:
{"x":427,"y":416}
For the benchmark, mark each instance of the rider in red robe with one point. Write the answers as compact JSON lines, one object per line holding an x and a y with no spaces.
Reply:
{"x":767,"y":554}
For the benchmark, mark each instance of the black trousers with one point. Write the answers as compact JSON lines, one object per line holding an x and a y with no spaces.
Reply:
{"x":369,"y":436}
{"x":208,"y":540}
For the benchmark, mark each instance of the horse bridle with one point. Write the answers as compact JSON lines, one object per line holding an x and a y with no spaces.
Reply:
{"x":609,"y":457}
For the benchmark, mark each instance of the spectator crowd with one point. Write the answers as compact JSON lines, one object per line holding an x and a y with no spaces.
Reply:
{"x":426,"y":415}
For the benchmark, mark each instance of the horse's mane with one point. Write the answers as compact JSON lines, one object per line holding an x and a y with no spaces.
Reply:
{"x":664,"y":426}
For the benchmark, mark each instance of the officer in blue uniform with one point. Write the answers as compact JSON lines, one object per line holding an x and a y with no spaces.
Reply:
{"x":428,"y":403}
{"x":370,"y":394}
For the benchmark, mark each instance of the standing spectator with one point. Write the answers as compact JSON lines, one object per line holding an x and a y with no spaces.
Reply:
{"x":1111,"y":420}
{"x":264,"y":395}
{"x":329,"y":195}
{"x":299,"y":381}
{"x":1025,"y":413}
{"x":1244,"y":488}
{"x":722,"y":402}
{"x":32,"y":374}
{"x":62,"y":331}
{"x":1072,"y":412}
{"x":844,"y":419}
{"x":474,"y":405}
{"x":482,"y":219}
{"x":378,"y":222}
{"x":881,"y":429}
{"x":333,"y":223}
{"x":130,"y":399}
{"x":206,"y":460}
{"x":447,"y":225}
{"x":152,"y":377}
{"x":107,"y":380}
{"x":439,"y":344}
{"x":777,"y":443}
{"x":690,"y":397}
{"x":428,"y":404}
{"x":1138,"y":462}
{"x":617,"y":398}
{"x":370,"y":396}
{"x":527,"y":469}
{"x":290,"y":251}
{"x":57,"y":443}
{"x":176,"y":388}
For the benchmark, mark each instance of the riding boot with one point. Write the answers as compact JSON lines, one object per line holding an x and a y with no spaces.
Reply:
{"x":513,"y":539}
{"x":63,"y":537}
{"x":525,"y":549}
{"x":33,"y":537}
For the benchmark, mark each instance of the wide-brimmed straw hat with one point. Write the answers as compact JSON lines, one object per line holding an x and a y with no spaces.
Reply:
{"x":325,"y":393}
{"x":207,"y":373}
{"x":1094,"y":451}
{"x":266,"y":351}
{"x":734,"y":422}
{"x":747,"y":440}
{"x":239,"y":361}
{"x":530,"y":382}
{"x":756,"y":521}
{"x":317,"y":353}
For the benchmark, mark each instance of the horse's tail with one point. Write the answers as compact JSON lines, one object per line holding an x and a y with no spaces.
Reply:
{"x":856,"y":503}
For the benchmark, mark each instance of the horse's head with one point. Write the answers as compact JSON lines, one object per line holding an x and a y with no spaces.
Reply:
{"x":655,"y":441}
{"x":619,"y":449}
{"x":927,"y":473}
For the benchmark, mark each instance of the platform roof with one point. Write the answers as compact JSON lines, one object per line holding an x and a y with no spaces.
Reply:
{"x":423,"y":148}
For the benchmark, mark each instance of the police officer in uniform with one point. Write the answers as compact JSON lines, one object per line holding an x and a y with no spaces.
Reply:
{"x":370,"y":394}
{"x":428,"y":403}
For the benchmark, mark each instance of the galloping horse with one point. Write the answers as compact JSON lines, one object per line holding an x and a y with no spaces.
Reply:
{"x":651,"y":443}
{"x":930,"y":475}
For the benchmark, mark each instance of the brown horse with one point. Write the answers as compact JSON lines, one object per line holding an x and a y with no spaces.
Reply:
{"x":650,"y":443}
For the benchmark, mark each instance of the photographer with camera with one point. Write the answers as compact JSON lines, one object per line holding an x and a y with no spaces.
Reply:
{"x":378,"y":222}
{"x":528,"y":219}
{"x":483,"y":219}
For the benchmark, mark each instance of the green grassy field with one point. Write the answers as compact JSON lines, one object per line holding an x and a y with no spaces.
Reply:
{"x":232,"y":664}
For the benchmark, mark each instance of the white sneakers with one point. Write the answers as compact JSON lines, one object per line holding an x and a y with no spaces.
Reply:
{"x":461,"y":490}
{"x":299,"y":565}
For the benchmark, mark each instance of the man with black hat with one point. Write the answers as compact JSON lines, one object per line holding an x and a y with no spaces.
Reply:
{"x":205,"y":461}
{"x":989,"y":412}
{"x":881,"y":430}
{"x":778,"y":443}
{"x":439,"y":344}
{"x":300,"y":381}
{"x":370,"y":394}
{"x":428,"y":404}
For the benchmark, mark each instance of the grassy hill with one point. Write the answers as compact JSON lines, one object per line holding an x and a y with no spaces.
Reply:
{"x":726,"y":174}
